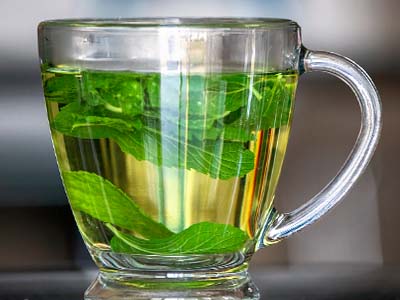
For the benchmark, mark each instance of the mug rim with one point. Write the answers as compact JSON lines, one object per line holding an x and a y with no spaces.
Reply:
{"x":160,"y":22}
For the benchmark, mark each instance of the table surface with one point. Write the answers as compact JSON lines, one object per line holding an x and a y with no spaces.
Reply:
{"x":284,"y":283}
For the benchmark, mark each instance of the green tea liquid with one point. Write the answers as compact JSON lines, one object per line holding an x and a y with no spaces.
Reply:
{"x":185,"y":149}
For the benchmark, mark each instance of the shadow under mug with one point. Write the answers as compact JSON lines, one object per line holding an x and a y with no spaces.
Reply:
{"x":170,"y":136}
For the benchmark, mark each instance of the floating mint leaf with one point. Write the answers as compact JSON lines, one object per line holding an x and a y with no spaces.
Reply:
{"x":99,"y":198}
{"x":194,"y":122}
{"x":185,"y":96}
{"x":272,"y":110}
{"x":81,"y":121}
{"x":219,"y":158}
{"x":119,"y":94}
{"x":200,"y":238}
{"x":62,"y":88}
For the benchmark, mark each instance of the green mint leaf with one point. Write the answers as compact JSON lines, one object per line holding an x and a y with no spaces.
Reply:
{"x":62,"y":88}
{"x":200,"y":134}
{"x":192,"y":122}
{"x":169,"y":120}
{"x":184,"y":96}
{"x":119,"y":94}
{"x":99,"y":198}
{"x":219,"y":159}
{"x":225,"y":132}
{"x":79,"y":121}
{"x":230,"y":89}
{"x":200,"y":238}
{"x":275,"y":111}
{"x":272,"y":111}
{"x":203,"y":102}
{"x":255,"y":104}
{"x":238,"y":134}
{"x":152,"y":90}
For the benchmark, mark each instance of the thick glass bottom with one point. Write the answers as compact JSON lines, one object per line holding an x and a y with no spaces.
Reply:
{"x":172,"y":285}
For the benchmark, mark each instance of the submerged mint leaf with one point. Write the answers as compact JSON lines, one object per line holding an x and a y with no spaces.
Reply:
{"x":182,"y":95}
{"x":272,"y":110}
{"x":230,"y":89}
{"x":99,"y":198}
{"x":277,"y":104}
{"x":119,"y":94}
{"x":220,"y":159}
{"x":204,"y":103}
{"x":152,"y":90}
{"x":169,"y":120}
{"x":217,"y":158}
{"x":62,"y":88}
{"x":194,"y":122}
{"x":240,"y":135}
{"x":200,"y":238}
{"x":81,"y":121}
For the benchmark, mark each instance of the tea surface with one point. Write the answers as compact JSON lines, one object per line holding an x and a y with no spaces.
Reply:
{"x":169,"y":164}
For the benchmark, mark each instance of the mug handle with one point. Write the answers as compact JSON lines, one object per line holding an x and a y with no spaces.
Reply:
{"x":285,"y":224}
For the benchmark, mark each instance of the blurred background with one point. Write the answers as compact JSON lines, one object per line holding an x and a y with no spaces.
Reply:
{"x":36,"y":224}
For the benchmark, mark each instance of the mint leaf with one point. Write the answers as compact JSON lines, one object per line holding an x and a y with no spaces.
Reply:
{"x":152,"y":91}
{"x":277,"y":104}
{"x":81,"y":121}
{"x":256,"y":104}
{"x":193,"y":122}
{"x":230,"y":89}
{"x":272,"y":110}
{"x":99,"y":198}
{"x":185,"y":96}
{"x":238,"y":134}
{"x":62,"y":88}
{"x":120,"y":94}
{"x":168,"y":119}
{"x":200,"y":238}
{"x":203,"y":103}
{"x":219,"y":158}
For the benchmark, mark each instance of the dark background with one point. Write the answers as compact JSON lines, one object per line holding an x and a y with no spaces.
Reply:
{"x":36,"y":225}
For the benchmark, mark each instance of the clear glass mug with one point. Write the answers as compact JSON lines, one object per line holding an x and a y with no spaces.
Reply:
{"x":170,"y":135}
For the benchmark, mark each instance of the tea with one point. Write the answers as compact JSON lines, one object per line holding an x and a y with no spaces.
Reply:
{"x":169,"y":164}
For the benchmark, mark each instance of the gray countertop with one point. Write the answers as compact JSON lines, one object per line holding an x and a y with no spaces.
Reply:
{"x":300,"y":282}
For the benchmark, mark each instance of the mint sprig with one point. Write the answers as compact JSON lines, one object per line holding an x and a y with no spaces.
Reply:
{"x":93,"y":195}
{"x":190,"y":122}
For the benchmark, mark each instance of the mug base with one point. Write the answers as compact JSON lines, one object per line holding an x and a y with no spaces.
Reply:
{"x":122,"y":286}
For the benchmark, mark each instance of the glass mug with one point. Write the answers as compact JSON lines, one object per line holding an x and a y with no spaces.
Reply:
{"x":170,"y":136}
